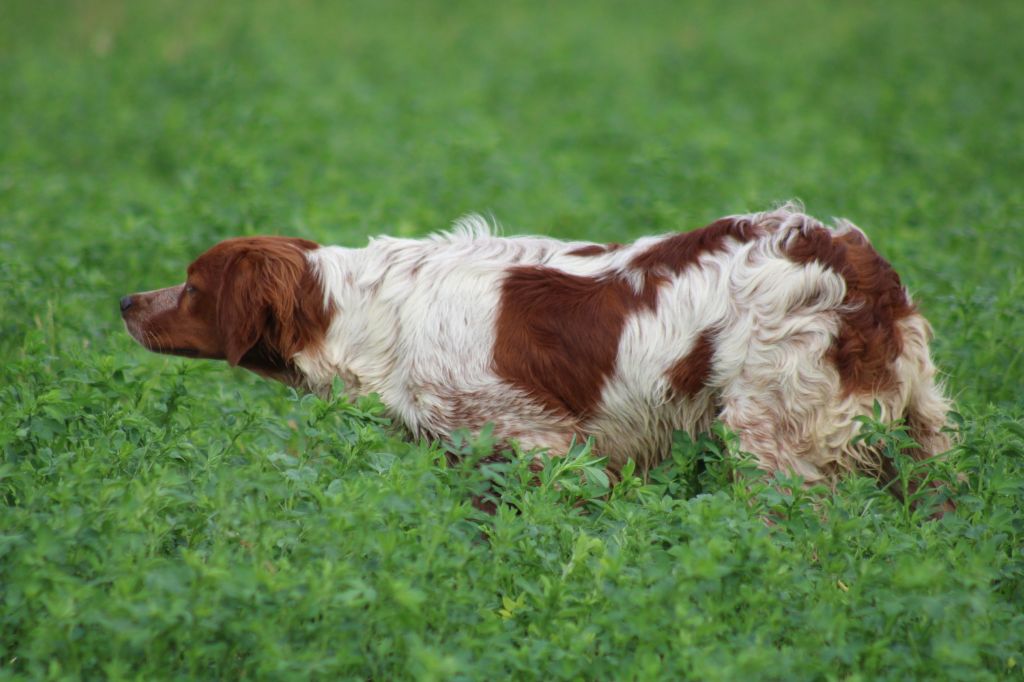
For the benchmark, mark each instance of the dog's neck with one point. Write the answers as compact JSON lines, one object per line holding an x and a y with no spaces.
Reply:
{"x":359,"y":346}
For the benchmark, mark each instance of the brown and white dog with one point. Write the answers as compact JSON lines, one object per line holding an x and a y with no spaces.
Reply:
{"x":784,"y":329}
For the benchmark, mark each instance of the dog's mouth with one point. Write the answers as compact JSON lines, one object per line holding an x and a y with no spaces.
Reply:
{"x":183,"y":352}
{"x":163,"y":350}
{"x":152,"y":344}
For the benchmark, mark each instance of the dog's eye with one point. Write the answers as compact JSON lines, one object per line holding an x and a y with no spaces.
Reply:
{"x":190,"y":289}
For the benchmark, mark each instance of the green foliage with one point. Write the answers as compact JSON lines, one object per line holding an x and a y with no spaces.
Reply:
{"x":163,"y":518}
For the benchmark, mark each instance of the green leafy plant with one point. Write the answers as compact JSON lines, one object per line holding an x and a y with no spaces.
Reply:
{"x":916,"y":481}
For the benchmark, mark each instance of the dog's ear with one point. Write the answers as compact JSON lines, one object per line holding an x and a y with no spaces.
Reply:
{"x":259,"y":300}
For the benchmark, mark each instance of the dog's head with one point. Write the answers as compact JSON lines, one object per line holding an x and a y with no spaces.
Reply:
{"x":252,"y":301}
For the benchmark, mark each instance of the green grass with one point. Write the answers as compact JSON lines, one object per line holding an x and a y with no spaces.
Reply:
{"x":171,"y":519}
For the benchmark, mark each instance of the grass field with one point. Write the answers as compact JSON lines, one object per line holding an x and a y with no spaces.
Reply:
{"x":171,"y":519}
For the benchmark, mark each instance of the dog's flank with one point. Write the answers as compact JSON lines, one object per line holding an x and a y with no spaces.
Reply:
{"x":784,"y":329}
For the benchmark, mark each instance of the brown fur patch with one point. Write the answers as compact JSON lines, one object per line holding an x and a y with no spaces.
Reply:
{"x":676,"y":253}
{"x":692,"y":372}
{"x":558,"y":335}
{"x":594,"y":249}
{"x":680,"y":251}
{"x":868,"y":341}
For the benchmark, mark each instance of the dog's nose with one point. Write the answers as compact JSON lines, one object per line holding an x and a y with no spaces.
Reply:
{"x":126,"y":303}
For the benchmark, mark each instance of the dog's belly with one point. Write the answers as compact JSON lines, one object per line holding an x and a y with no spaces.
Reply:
{"x":643,"y":432}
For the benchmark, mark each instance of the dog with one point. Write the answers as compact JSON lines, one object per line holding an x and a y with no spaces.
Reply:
{"x":782,"y":328}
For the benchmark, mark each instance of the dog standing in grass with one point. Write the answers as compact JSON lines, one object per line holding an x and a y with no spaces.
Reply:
{"x":782,"y":328}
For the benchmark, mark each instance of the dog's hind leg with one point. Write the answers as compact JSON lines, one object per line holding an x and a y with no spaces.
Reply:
{"x":782,"y":407}
{"x":790,"y":410}
{"x":926,"y":407}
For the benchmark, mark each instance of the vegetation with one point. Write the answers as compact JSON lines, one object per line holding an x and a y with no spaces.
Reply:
{"x":165,"y":518}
